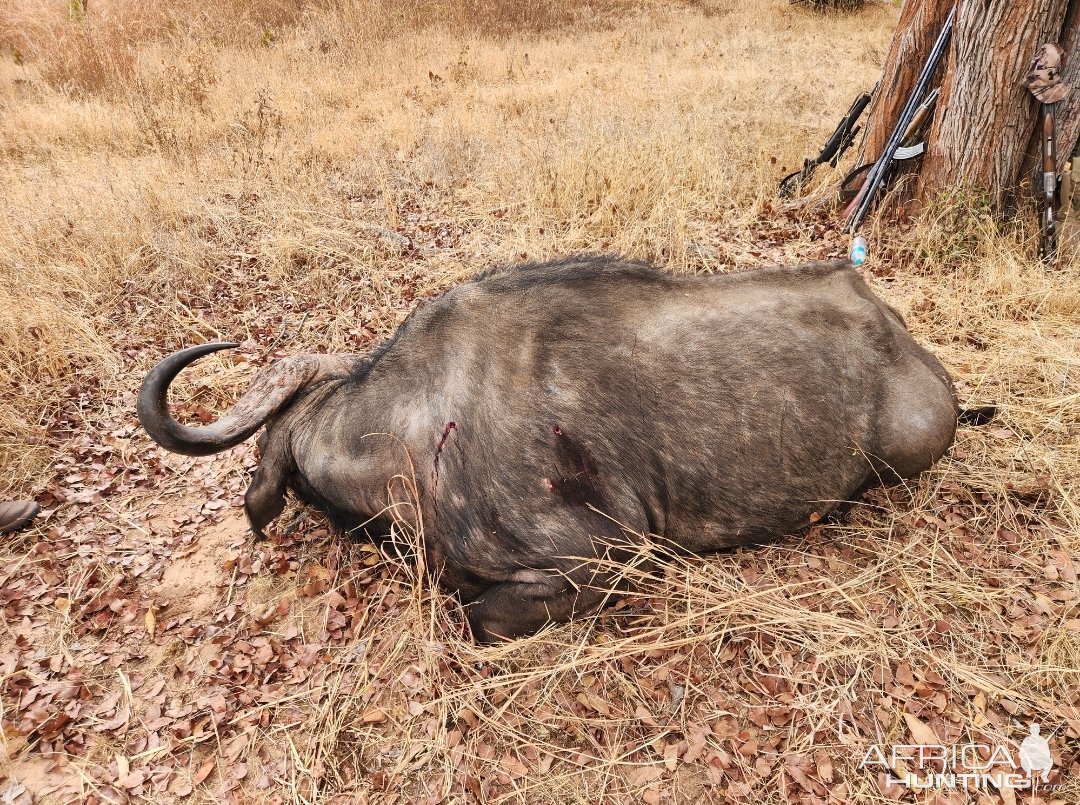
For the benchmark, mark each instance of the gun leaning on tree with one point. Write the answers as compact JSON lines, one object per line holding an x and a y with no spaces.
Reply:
{"x":912,"y":145}
{"x":875,"y":177}
{"x":831,"y":152}
{"x":1049,"y":184}
{"x":1044,"y":81}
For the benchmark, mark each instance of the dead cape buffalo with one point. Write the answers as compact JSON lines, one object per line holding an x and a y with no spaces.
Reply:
{"x":549,"y":412}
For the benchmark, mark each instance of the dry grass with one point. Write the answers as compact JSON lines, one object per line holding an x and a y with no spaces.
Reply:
{"x":257,"y":165}
{"x":172,"y":175}
{"x":825,"y":6}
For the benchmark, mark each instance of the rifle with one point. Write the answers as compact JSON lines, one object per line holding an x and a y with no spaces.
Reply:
{"x":1048,"y":246}
{"x":1044,"y":82}
{"x":860,"y":206}
{"x":911,"y":146}
{"x":833,"y":149}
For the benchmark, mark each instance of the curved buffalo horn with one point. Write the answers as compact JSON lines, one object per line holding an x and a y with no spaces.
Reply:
{"x":272,"y":389}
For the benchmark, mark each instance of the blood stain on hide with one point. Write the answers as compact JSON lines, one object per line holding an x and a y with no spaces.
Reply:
{"x":578,"y":480}
{"x":450,"y":428}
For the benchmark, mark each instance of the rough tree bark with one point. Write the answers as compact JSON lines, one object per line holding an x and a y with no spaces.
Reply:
{"x":984,"y":132}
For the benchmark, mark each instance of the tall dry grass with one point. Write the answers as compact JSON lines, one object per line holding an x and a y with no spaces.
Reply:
{"x":172,"y":173}
{"x":189,"y":156}
{"x":85,"y":48}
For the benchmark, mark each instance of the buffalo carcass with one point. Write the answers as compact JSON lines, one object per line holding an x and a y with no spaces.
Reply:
{"x":554,"y":411}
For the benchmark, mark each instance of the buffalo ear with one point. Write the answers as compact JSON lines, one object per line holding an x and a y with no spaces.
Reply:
{"x":265,"y":497}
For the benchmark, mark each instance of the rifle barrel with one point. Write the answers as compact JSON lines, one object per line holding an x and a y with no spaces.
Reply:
{"x":861,"y":203}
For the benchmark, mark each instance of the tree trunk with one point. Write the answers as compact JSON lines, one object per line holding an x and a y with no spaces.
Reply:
{"x":984,"y":133}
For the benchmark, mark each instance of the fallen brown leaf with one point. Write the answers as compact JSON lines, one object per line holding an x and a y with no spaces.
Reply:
{"x":203,"y":772}
{"x":373,"y":715}
{"x":920,"y":731}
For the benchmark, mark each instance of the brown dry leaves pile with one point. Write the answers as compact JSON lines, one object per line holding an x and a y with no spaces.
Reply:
{"x":158,"y":654}
{"x":151,"y":652}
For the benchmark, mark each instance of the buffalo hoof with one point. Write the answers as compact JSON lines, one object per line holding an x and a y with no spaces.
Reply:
{"x":17,"y":514}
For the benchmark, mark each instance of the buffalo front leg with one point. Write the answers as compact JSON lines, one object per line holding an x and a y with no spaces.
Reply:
{"x":526,"y":604}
